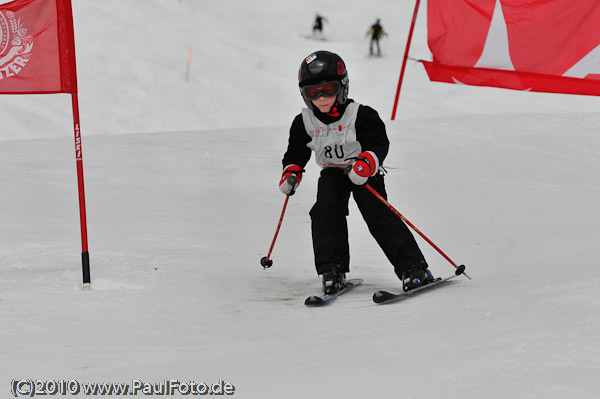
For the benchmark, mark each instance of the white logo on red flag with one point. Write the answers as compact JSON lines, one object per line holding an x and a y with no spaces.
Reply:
{"x":47,"y":67}
{"x":496,"y":51}
{"x":15,"y":45}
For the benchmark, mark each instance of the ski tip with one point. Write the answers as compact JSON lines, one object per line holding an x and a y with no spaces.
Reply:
{"x":381,"y":296}
{"x":314,"y":300}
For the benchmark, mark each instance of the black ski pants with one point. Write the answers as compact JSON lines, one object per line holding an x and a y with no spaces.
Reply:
{"x":330,"y":228}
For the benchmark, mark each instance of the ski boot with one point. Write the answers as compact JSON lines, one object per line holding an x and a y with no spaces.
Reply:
{"x":413,"y":278}
{"x":333,"y":281}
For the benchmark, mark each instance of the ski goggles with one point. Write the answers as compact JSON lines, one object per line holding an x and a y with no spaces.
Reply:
{"x":328,"y":89}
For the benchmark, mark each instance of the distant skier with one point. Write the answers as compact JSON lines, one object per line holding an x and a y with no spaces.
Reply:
{"x":376,"y":31}
{"x":350,"y":143}
{"x":318,"y":26}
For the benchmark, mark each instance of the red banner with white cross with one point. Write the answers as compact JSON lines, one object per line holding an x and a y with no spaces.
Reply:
{"x":532,"y":45}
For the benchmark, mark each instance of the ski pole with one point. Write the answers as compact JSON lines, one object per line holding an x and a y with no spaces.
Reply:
{"x":375,"y":193}
{"x":266,"y":261}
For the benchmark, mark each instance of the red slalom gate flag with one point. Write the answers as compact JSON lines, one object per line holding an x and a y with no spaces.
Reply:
{"x":37,"y":51}
{"x":533,"y":45}
{"x":37,"y":56}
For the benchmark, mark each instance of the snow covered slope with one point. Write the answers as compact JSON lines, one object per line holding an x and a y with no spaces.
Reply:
{"x":182,"y":204}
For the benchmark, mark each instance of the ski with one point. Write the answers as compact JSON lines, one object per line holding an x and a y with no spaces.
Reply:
{"x":316,"y":300}
{"x":381,"y":297}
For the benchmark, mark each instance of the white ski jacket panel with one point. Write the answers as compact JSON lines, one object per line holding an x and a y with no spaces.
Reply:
{"x":335,"y":142}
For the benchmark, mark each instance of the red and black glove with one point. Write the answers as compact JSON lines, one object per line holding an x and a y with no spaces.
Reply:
{"x":364,"y":166}
{"x":290,"y":179}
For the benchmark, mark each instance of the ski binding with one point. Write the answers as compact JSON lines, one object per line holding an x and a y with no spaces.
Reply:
{"x":381,"y":297}
{"x":316,"y":300}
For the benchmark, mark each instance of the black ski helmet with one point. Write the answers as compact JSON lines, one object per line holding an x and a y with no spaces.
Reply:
{"x":320,"y":67}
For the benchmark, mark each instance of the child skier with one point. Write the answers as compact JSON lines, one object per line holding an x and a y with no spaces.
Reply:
{"x":350,"y":143}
